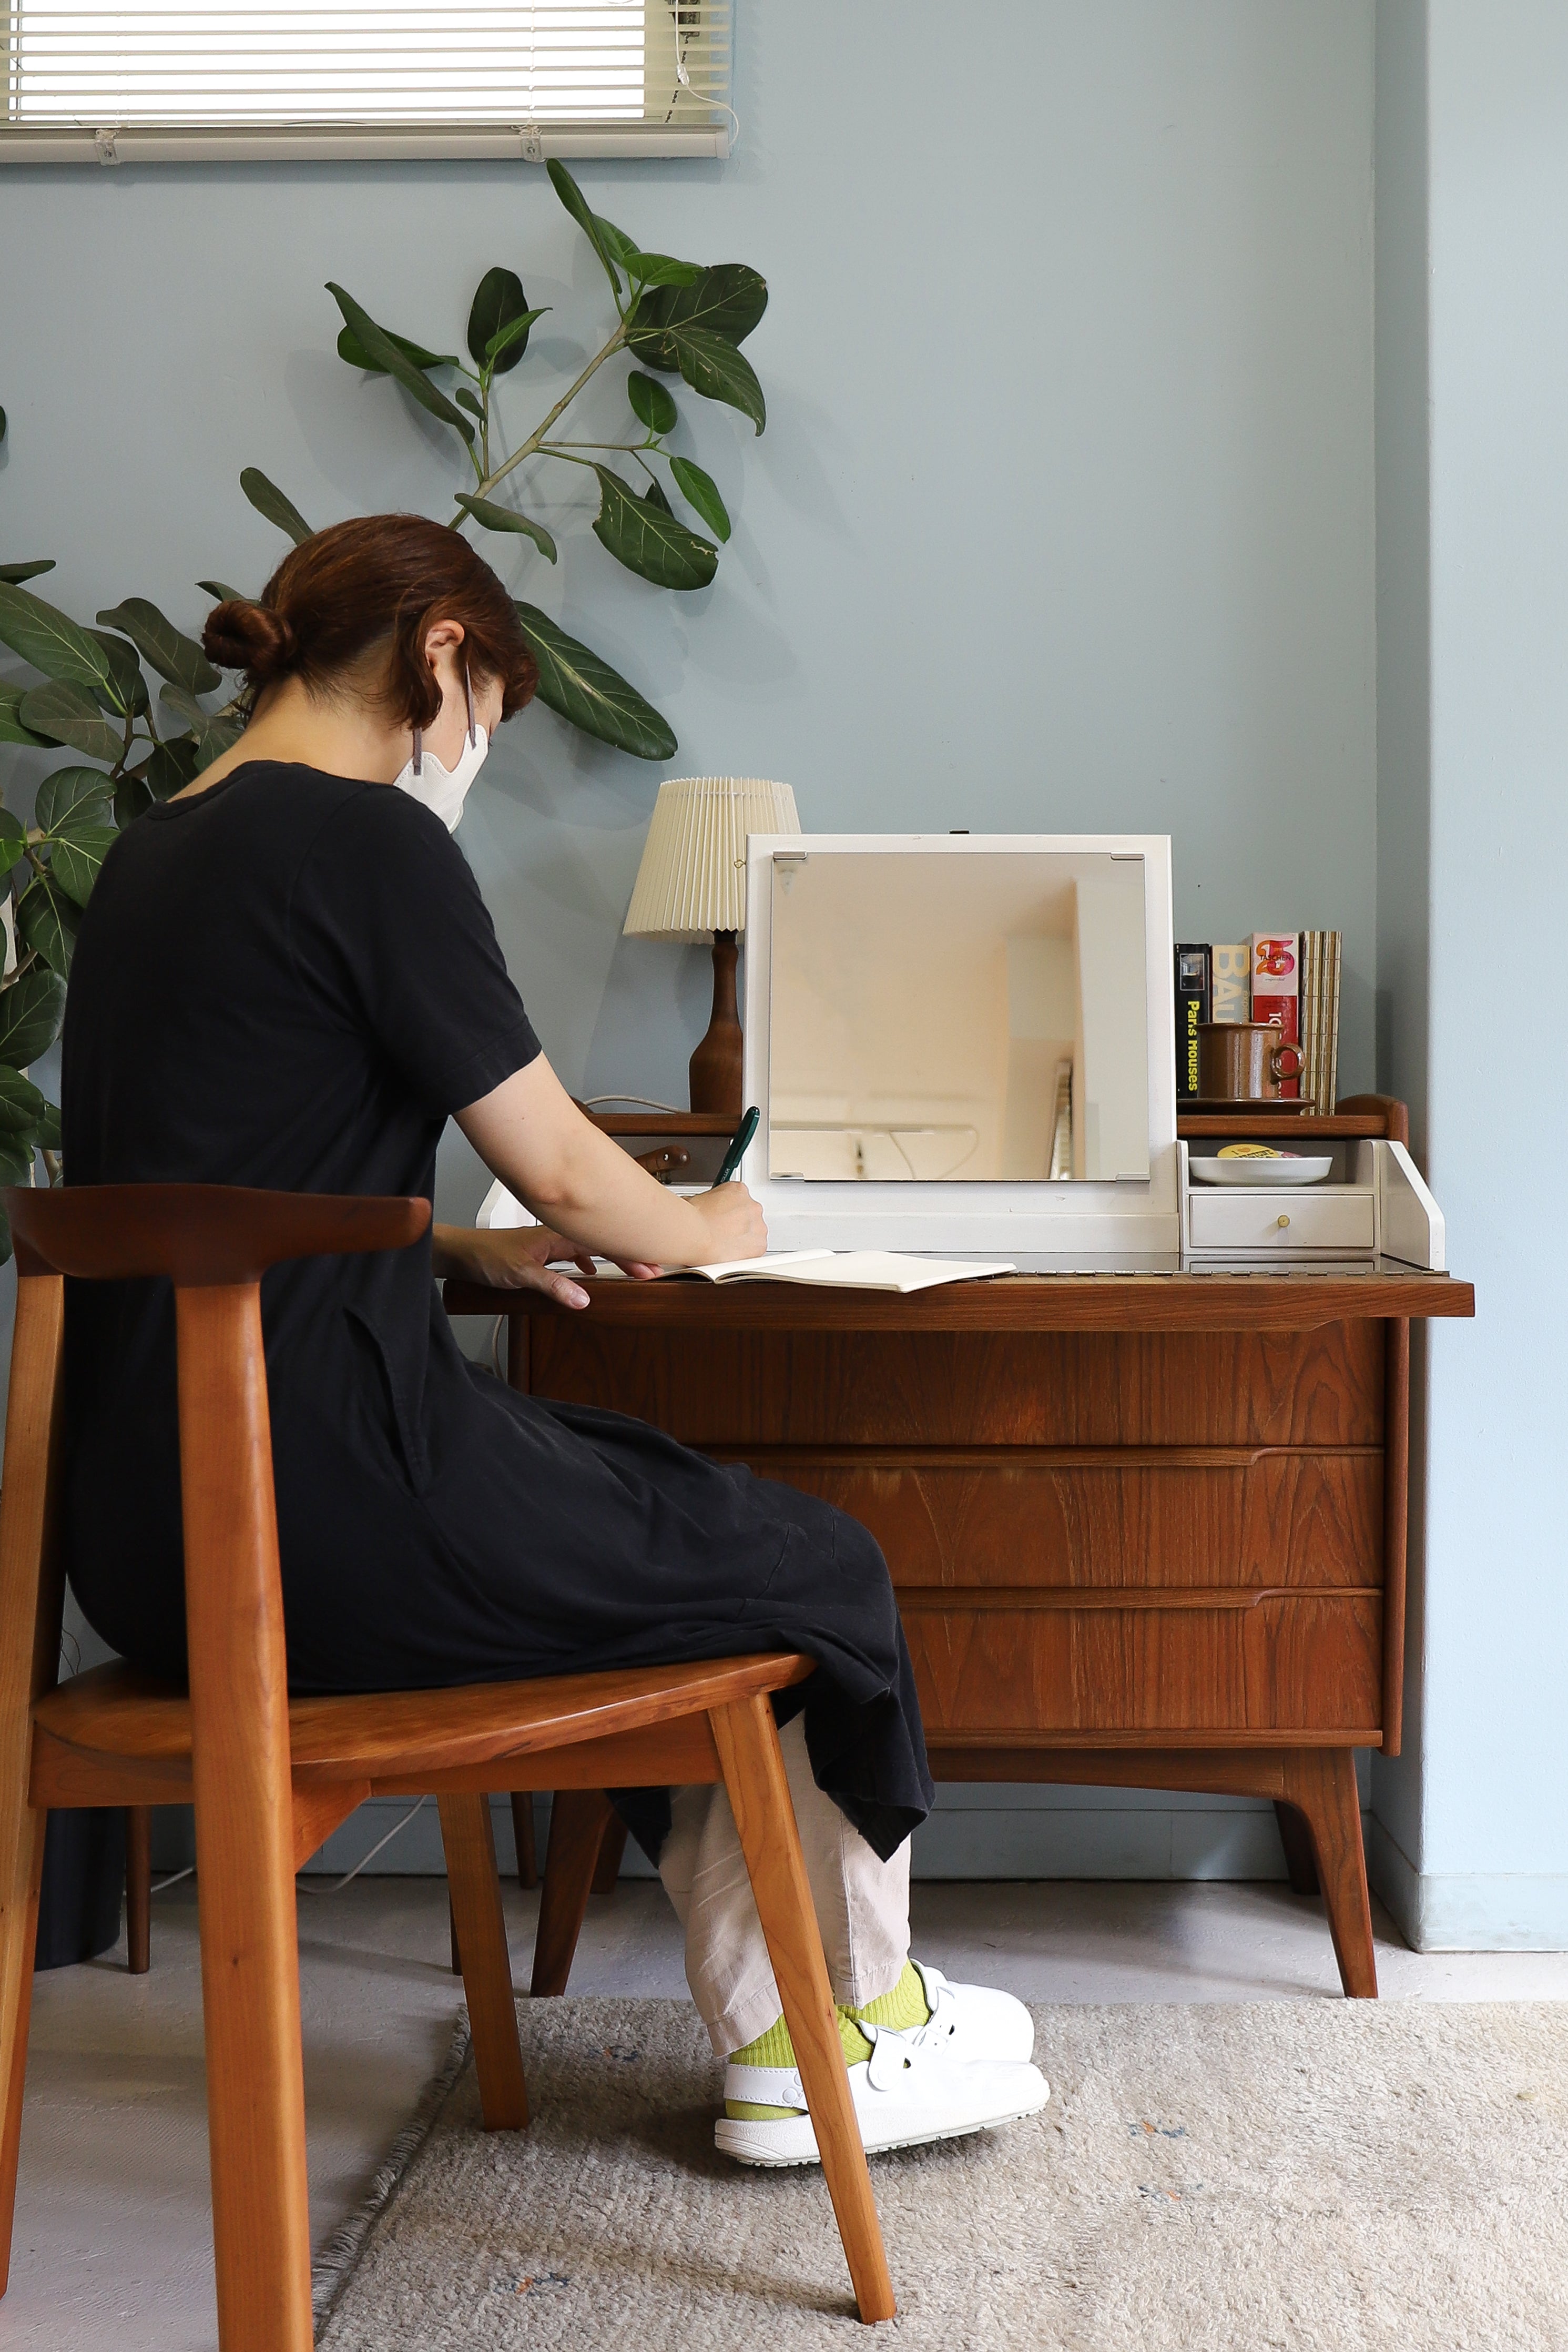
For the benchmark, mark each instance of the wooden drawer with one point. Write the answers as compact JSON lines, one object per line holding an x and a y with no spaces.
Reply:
{"x":1029,"y":1517}
{"x":1055,"y":1388}
{"x":1337,"y":1220}
{"x":1276,"y":1664}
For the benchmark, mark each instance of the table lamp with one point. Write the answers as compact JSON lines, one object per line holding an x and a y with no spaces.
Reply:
{"x":691,"y":885}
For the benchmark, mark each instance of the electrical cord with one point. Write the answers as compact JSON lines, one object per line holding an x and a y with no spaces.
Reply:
{"x":301,"y":1884}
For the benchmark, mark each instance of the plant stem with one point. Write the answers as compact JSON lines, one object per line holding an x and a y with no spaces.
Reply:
{"x":488,"y":480}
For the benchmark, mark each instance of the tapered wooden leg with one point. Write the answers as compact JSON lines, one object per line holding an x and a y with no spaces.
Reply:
{"x":578,"y":1823}
{"x":523,"y":1838}
{"x":1319,"y":1783}
{"x":747,"y":1741}
{"x":139,"y":1889}
{"x":481,"y":1931}
{"x":18,"y":1939}
{"x":613,"y":1847}
{"x":452,"y":1930}
{"x":1297,"y":1841}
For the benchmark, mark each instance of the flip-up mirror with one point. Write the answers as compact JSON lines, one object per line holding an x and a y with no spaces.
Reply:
{"x":968,"y":1019}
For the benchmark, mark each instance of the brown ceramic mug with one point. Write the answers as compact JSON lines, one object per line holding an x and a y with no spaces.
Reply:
{"x":1244,"y":1061}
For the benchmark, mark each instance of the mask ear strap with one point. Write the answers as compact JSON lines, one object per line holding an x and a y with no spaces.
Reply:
{"x":468,"y":690}
{"x":418,"y":749}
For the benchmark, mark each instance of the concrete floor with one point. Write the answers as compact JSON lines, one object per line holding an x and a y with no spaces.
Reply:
{"x":113,"y":2219}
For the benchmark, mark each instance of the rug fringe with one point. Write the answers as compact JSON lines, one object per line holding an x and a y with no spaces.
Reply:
{"x":335,"y":2265}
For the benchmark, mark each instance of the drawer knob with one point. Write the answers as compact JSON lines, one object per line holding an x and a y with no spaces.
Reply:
{"x":1284,"y":1221}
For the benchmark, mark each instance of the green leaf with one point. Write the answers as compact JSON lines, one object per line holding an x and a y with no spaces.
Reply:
{"x":716,"y":369}
{"x":48,"y":922}
{"x":651,"y":404}
{"x":663,"y":269}
{"x":77,"y":858}
{"x":268,"y":500}
{"x":499,"y":301}
{"x":72,"y":792}
{"x":585,"y":690}
{"x":173,"y":655}
{"x":577,"y":204}
{"x":700,"y":490}
{"x":516,"y":332}
{"x":621,"y":248}
{"x":17,"y":573}
{"x":219,"y":591}
{"x":49,"y":1128}
{"x":654,"y":496}
{"x":485,"y":512}
{"x":649,"y":542}
{"x":729,"y":300}
{"x":13,"y":841}
{"x":396,"y":362}
{"x":21,"y":1103}
{"x":11,"y":727}
{"x":168,"y":768}
{"x":133,"y":798}
{"x":31,"y":1011}
{"x":221,"y":735}
{"x":52,"y":642}
{"x":16,"y":1168}
{"x":67,"y":713}
{"x":470,"y":401}
{"x":349,"y":348}
{"x":129,"y":691}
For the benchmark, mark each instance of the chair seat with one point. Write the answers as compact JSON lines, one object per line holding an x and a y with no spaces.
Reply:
{"x":121,"y":1721}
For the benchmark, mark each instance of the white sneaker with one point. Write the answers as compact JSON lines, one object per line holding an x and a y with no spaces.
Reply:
{"x":907,"y":2093}
{"x":972,"y":2021}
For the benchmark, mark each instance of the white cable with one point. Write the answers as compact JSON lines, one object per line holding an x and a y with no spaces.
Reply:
{"x":644,"y":1102}
{"x":306,"y":1888}
{"x":159,"y":1884}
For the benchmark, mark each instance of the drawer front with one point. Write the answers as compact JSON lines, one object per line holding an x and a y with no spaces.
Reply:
{"x":936,"y":1388}
{"x":1280,"y":1220}
{"x":1006,"y":1519}
{"x":1281,"y":1664}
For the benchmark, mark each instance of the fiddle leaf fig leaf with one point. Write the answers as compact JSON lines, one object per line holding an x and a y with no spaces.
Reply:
{"x":583,"y":688}
{"x":651,"y":404}
{"x":168,"y":768}
{"x":577,"y":204}
{"x":470,"y":401}
{"x":492,"y":516}
{"x":52,"y":642}
{"x":11,"y":730}
{"x":621,"y":248}
{"x":716,"y":369}
{"x":66,"y":713}
{"x":221,"y":593}
{"x":77,"y":858}
{"x":663,"y":269}
{"x":349,"y":348}
{"x":48,"y":922}
{"x":17,"y":573}
{"x":133,"y":798}
{"x":13,"y":841}
{"x":499,"y":305}
{"x":729,"y":301}
{"x":395,"y":362}
{"x":172,"y":654}
{"x":647,"y":540}
{"x":128,"y":692}
{"x":700,"y":490}
{"x":654,"y":496}
{"x":21,"y":1103}
{"x":49,"y":1128}
{"x":31,"y":1011}
{"x":82,"y":793}
{"x":500,"y":346}
{"x":268,"y":500}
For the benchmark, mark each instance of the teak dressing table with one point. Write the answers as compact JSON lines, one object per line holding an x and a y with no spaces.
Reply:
{"x":1147,"y":1530}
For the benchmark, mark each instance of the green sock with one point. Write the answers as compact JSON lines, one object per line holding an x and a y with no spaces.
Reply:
{"x":901,"y":2009}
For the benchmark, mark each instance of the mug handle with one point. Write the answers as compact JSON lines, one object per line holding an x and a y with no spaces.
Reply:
{"x":1275,"y":1054}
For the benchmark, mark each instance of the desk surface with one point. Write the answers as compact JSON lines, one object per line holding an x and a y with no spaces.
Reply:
{"x":1018,"y":1302}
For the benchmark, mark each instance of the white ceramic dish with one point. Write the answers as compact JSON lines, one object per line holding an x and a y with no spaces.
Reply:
{"x":1254,"y":1174}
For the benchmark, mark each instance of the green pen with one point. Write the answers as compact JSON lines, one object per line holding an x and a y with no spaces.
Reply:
{"x":737,"y":1148}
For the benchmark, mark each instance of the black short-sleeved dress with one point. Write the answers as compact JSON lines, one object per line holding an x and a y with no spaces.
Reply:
{"x":291,"y":980}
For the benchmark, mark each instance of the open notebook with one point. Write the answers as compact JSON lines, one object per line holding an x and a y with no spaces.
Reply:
{"x":850,"y":1269}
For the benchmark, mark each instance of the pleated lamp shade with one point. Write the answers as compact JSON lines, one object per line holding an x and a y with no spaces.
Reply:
{"x":692,"y":880}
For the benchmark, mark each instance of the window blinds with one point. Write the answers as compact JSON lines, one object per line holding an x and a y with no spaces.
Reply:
{"x":142,"y":80}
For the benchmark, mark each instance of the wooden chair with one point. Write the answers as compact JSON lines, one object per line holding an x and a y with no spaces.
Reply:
{"x":270,"y":1778}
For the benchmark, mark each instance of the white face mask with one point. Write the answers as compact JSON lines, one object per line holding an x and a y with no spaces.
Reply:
{"x":444,"y":790}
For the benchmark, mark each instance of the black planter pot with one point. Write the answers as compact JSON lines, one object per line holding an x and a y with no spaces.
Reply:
{"x":84,"y":1886}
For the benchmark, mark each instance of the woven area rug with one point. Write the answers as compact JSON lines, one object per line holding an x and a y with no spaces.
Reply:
{"x":1319,"y":2174}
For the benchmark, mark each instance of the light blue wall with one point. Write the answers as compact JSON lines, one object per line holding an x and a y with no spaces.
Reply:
{"x":1065,"y":514}
{"x":1476,"y":1848}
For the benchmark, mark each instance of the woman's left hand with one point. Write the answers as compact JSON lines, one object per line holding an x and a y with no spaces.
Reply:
{"x":516,"y":1257}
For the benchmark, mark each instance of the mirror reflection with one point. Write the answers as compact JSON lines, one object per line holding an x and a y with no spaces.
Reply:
{"x":968,"y":1017}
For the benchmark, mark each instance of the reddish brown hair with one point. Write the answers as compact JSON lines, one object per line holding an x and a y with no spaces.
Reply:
{"x":376,"y":581}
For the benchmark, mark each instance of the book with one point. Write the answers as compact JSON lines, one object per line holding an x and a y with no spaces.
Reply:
{"x":1276,"y":969}
{"x":1193,"y":996}
{"x":1230,"y":979}
{"x":848,"y":1269}
{"x":1321,"y":956}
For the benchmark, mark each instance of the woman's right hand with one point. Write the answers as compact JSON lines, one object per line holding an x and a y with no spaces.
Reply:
{"x":734,"y":1224}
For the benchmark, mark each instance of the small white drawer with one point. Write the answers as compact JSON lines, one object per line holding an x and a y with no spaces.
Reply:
{"x":1342,"y":1219}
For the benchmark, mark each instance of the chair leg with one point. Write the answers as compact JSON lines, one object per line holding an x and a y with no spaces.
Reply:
{"x":18,"y":1941}
{"x":523,"y":1838}
{"x":747,"y":1741}
{"x":607,"y":1869}
{"x":1321,"y":1784}
{"x":137,"y":1889}
{"x":481,"y":1930}
{"x":578,"y":1820}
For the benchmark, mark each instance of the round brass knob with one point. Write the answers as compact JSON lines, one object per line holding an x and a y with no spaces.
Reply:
{"x":1284,"y":1221}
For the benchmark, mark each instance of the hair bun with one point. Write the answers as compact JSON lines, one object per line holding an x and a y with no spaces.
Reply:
{"x":241,"y":635}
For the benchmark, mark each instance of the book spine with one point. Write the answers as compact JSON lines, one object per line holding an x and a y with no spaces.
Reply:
{"x":1276,"y":969}
{"x":1231,"y":995}
{"x":1335,"y":947}
{"x":1194,"y":996}
{"x":1312,"y":1017}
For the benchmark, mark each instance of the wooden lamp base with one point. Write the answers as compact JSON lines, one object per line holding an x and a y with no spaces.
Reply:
{"x":715,"y":1067}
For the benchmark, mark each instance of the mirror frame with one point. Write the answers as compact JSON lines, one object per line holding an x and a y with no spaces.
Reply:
{"x":1086,"y":1225}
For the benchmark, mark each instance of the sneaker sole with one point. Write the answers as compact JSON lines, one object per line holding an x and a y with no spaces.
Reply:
{"x":746,"y":2143}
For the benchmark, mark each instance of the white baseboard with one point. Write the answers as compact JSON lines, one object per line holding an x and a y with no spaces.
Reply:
{"x":1479,"y":1911}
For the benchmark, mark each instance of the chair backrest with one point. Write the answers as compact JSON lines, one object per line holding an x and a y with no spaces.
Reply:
{"x":214,"y":1242}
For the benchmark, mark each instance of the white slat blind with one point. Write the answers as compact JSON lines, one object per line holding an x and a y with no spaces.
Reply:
{"x":116,"y":80}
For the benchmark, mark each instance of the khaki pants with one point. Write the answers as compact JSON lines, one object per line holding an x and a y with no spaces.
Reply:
{"x":862,"y":1904}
